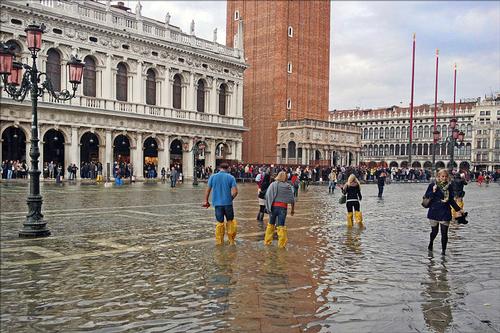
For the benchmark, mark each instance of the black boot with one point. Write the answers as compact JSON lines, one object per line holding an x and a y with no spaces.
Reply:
{"x":260,"y":217}
{"x":434,"y":232}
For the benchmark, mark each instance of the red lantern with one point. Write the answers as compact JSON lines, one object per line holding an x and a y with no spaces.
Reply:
{"x":453,"y":123}
{"x":455,"y":134}
{"x":34,"y":36}
{"x":461,"y":136}
{"x":6,"y":58}
{"x":436,"y":136}
{"x":15,"y":74}
{"x":75,"y":70}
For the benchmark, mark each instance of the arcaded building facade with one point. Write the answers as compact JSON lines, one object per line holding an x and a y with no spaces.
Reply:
{"x":287,"y":46}
{"x":149,"y":93}
{"x":385,"y":134}
{"x":486,"y":134}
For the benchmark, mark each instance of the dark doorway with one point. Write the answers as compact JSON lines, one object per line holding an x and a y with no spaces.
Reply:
{"x":13,"y":144}
{"x":53,"y":148}
{"x":89,"y":148}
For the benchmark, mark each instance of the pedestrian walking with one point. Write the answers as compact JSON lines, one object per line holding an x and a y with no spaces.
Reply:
{"x":278,"y":196}
{"x":381,"y":177}
{"x":332,"y":181}
{"x":457,"y":185}
{"x":352,"y":190}
{"x":173,"y":177}
{"x":264,"y":185}
{"x":224,"y":190}
{"x":439,"y":213}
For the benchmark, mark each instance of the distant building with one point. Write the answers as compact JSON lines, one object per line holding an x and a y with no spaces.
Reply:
{"x":318,"y":142}
{"x":287,"y":47}
{"x":150,"y":91}
{"x":385,"y":134}
{"x":486,"y":134}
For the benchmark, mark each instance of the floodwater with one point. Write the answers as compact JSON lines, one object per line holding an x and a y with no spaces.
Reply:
{"x":142,"y":258}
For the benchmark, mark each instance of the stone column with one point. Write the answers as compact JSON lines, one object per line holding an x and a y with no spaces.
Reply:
{"x":190,"y":93}
{"x":108,"y":155}
{"x":108,"y":85}
{"x":239,"y":112}
{"x":75,"y":147}
{"x":167,"y":90}
{"x":67,"y":157}
{"x":187,"y":160}
{"x":163,"y":155}
{"x":28,"y":157}
{"x":184,"y":96}
{"x":138,"y":158}
{"x":138,"y":88}
{"x":213,"y":98}
{"x":211,"y":158}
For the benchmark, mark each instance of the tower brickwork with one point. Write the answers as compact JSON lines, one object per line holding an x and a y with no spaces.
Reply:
{"x":286,"y":45}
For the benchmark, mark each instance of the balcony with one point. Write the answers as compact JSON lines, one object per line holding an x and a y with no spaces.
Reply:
{"x":92,"y":103}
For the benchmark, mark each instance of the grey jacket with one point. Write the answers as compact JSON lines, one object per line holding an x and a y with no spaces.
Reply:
{"x":279,"y":192}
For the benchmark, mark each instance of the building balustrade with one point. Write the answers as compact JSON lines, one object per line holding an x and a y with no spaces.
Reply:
{"x":143,"y":109}
{"x":96,"y":12}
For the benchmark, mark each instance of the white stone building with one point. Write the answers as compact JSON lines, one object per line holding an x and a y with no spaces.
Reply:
{"x":149,"y":92}
{"x":385,"y":134}
{"x":316,"y":142}
{"x":486,"y":134}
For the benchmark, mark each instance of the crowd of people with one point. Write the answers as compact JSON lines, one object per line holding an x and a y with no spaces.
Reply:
{"x":12,"y":169}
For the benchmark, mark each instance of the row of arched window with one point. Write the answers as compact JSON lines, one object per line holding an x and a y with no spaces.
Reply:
{"x":418,"y":149}
{"x":89,"y":85}
{"x":419,"y":132}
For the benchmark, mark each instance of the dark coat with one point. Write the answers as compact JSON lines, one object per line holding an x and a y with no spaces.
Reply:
{"x":438,"y":210}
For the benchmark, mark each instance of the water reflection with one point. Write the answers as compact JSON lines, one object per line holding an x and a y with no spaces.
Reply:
{"x":437,"y":308}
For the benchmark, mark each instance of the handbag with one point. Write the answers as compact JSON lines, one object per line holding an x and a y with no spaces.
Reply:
{"x":343,"y":199}
{"x":426,"y":202}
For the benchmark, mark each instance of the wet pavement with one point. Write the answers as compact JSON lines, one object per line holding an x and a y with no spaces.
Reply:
{"x":142,"y":258}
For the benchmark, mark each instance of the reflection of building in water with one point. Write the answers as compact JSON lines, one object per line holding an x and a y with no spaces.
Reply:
{"x":437,"y":309}
{"x":149,"y":90}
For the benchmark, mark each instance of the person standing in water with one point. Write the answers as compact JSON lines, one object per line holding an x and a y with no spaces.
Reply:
{"x":278,"y":196}
{"x":439,"y":213}
{"x":352,"y":190}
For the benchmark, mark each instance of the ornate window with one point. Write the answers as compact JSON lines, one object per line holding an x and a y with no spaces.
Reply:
{"x":200,"y":96}
{"x":222,"y":100}
{"x":121,"y":82}
{"x":151,"y":87}
{"x":89,"y":77}
{"x":291,"y":149}
{"x":53,"y":68}
{"x":177,"y":92}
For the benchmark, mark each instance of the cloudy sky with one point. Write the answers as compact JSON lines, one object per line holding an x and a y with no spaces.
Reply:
{"x":371,"y":45}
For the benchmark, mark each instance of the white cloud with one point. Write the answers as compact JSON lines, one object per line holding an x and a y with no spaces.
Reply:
{"x":370,"y":48}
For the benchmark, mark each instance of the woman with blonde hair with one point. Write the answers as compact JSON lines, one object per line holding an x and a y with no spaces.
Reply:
{"x":439,"y":213}
{"x":352,"y":190}
{"x":278,"y":196}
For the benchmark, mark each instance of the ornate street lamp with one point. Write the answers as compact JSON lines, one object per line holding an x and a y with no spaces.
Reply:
{"x":18,"y":85}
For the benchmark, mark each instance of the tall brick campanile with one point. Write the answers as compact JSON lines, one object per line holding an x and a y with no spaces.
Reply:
{"x":287,"y":45}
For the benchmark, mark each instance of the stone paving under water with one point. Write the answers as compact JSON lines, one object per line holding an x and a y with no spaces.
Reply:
{"x":142,"y":258}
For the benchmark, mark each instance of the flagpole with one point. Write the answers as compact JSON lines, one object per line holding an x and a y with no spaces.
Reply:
{"x":411,"y":101}
{"x":435,"y":132}
{"x":454,"y":90}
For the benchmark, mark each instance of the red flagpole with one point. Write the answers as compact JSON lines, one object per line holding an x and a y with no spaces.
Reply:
{"x":411,"y":100}
{"x":436,"y":92}
{"x":454,"y":90}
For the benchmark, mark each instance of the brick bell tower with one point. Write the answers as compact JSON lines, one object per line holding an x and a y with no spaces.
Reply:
{"x":287,"y":47}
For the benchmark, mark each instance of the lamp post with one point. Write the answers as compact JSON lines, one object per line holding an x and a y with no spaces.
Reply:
{"x":456,"y":139}
{"x":34,"y":82}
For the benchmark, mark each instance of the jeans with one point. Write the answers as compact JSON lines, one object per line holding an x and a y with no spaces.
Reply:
{"x":331,"y":186}
{"x":277,"y":213}
{"x":380,"y":190}
{"x":221,"y":211}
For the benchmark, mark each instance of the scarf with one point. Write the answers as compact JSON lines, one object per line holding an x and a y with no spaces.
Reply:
{"x":443,"y":186}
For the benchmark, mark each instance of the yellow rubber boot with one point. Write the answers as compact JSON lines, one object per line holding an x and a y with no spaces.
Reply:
{"x":232,"y":228}
{"x":282,"y":237}
{"x":359,"y":218}
{"x":268,"y":238}
{"x":219,"y":233}
{"x":349,"y":219}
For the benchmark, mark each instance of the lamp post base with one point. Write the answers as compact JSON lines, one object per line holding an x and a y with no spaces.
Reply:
{"x":34,"y":229}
